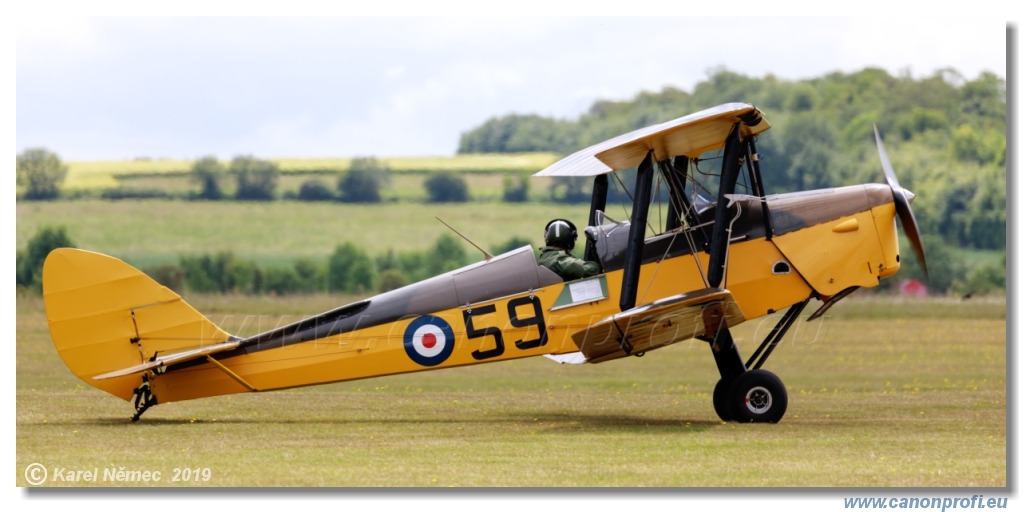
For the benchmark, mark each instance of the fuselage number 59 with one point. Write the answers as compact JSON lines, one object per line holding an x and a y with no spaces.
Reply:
{"x":522,"y":312}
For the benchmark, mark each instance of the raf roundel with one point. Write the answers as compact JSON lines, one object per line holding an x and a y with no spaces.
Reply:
{"x":429,"y":340}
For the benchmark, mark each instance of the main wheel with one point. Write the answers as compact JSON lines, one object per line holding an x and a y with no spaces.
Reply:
{"x":720,"y":398}
{"x":757,"y":396}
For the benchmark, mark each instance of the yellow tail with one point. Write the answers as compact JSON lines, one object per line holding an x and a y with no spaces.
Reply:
{"x":105,"y":315}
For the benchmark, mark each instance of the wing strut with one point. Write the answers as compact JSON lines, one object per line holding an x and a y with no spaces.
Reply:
{"x":754,"y":170}
{"x":637,"y":229}
{"x":727,"y":185}
{"x":598,"y":200}
{"x":679,"y":207}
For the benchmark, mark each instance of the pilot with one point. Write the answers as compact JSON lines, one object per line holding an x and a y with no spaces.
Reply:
{"x":560,"y":238}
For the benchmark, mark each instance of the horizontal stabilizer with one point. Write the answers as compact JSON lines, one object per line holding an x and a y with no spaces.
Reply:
{"x":658,"y":324}
{"x":177,"y":357}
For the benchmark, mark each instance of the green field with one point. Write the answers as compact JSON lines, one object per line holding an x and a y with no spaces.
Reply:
{"x":883,"y":393}
{"x":152,"y":232}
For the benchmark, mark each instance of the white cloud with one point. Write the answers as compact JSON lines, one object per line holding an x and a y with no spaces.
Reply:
{"x":925,"y":44}
{"x":92,"y":88}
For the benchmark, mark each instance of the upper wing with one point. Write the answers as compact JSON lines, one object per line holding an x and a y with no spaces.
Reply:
{"x":659,"y":324}
{"x":688,"y":135}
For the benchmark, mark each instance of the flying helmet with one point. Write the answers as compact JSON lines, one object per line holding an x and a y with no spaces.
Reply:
{"x":560,"y":233}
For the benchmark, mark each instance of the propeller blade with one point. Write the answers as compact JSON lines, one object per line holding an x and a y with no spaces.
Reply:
{"x":902,"y":202}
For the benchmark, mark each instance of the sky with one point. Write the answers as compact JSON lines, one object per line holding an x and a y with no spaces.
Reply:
{"x":102,"y":88}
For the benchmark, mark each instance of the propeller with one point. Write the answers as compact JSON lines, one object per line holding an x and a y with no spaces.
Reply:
{"x":902,"y":198}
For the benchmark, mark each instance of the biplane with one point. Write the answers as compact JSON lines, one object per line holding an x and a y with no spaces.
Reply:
{"x":718,"y":259}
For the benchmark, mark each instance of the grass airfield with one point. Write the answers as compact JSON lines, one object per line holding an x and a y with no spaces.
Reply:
{"x":882,"y":394}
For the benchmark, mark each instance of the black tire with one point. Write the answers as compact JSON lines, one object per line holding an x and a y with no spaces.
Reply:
{"x":757,"y":396}
{"x":720,"y":398}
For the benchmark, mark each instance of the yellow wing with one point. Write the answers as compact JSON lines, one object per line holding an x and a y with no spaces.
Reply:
{"x":658,"y":324}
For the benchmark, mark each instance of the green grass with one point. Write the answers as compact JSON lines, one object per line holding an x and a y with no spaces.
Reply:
{"x":880,"y":306}
{"x":158,"y":231}
{"x":877,"y":399}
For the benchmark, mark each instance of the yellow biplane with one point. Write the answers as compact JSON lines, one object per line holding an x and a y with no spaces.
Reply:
{"x":719,"y":260}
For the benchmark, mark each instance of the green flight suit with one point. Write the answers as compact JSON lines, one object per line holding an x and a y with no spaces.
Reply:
{"x":565,"y":265}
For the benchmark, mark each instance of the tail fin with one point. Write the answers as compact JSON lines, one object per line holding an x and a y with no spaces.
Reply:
{"x":105,"y":315}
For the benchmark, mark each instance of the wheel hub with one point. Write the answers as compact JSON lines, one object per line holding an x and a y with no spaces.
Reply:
{"x":758,"y":400}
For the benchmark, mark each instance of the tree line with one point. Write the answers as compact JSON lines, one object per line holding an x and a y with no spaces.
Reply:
{"x":349,"y":268}
{"x":945,"y":134}
{"x":256,"y":180}
{"x":41,"y":174}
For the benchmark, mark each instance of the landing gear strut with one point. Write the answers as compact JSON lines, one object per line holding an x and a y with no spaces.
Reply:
{"x":742,"y":394}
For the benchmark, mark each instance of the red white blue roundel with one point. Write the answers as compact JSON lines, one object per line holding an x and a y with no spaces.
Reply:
{"x":429,"y":340}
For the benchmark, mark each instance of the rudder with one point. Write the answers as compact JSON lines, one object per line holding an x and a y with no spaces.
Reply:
{"x":105,"y":315}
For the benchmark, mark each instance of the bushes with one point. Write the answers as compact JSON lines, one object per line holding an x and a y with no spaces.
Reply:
{"x":515,"y":190}
{"x":171,"y":276}
{"x":41,"y":173}
{"x":349,"y":269}
{"x":257,"y":179}
{"x":446,"y":254}
{"x":446,"y":187}
{"x":29,"y":263}
{"x":315,"y":190}
{"x":304,"y":276}
{"x":208,"y":171}
{"x":391,"y":279}
{"x":511,"y":244}
{"x":220,"y":273}
{"x":225,"y":273}
{"x":361,"y":184}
